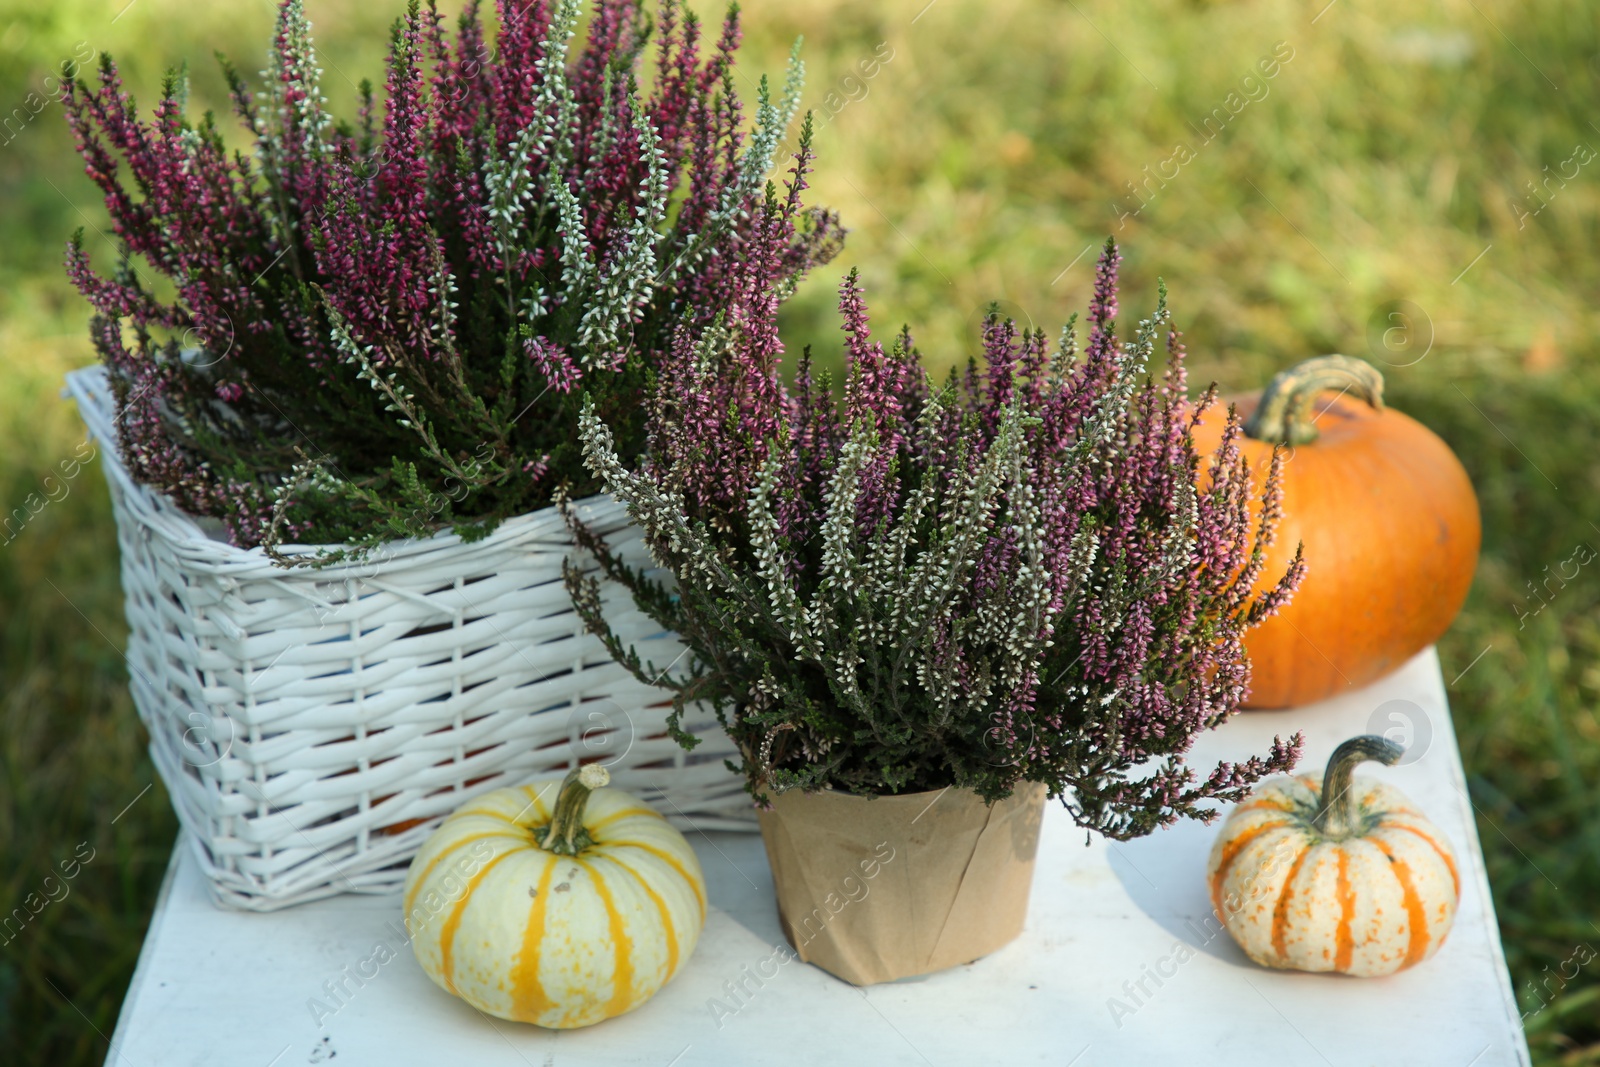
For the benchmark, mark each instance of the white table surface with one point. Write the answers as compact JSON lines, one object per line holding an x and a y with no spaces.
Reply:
{"x":218,"y":988}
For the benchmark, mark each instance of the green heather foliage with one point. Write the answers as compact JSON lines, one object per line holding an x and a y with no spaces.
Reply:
{"x":1029,"y":575}
{"x":378,"y":327}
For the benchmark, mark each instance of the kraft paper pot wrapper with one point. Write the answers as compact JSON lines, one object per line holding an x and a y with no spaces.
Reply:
{"x":871,"y":890}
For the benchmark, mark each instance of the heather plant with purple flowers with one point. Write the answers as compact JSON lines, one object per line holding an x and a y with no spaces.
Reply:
{"x":381,"y":329}
{"x":1025,"y":575}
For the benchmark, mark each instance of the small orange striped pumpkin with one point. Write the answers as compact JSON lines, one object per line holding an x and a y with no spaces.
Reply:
{"x":561,"y":903}
{"x":1335,"y":875}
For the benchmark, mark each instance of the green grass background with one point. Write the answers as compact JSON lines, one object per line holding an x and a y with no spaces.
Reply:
{"x":1387,"y":167}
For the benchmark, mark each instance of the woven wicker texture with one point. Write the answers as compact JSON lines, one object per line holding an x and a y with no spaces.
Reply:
{"x":314,"y":725}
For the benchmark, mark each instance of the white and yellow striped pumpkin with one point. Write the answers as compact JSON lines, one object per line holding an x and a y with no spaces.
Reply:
{"x":560,"y":903}
{"x":1350,"y":879}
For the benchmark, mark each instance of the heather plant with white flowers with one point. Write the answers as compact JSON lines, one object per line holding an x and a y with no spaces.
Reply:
{"x":378,"y":328}
{"x":1026,"y":575}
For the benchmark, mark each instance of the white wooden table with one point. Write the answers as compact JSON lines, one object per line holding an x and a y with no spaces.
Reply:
{"x":218,"y":988}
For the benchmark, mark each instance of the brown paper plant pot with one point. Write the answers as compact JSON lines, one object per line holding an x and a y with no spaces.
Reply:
{"x":874,"y":889}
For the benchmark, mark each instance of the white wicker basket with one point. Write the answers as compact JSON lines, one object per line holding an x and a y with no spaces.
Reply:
{"x":314,"y":726}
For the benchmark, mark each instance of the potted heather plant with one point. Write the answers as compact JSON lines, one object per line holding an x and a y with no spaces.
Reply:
{"x":920,"y":610}
{"x":361,"y":351}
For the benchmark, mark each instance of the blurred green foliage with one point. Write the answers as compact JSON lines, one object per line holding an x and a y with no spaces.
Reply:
{"x":1405,"y":187}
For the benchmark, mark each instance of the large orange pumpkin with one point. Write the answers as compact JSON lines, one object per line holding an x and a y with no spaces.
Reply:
{"x":1387,"y":517}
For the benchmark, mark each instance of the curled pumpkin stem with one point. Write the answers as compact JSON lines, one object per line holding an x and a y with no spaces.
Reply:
{"x":566,"y":835}
{"x":1284,"y":414}
{"x":1338,"y":812}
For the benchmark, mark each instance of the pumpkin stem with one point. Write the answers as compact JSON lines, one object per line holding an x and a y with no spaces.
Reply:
{"x":1338,"y":815}
{"x":1284,"y":414}
{"x":566,"y":835}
